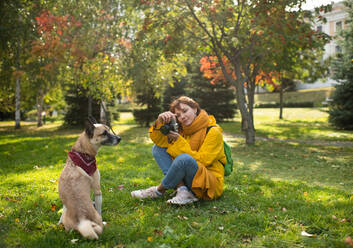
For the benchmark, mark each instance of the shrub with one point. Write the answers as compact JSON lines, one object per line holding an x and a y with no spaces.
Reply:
{"x":341,"y":107}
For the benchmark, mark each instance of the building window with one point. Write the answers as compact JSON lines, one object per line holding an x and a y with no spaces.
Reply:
{"x":319,"y":29}
{"x":338,"y":49}
{"x":338,"y":26}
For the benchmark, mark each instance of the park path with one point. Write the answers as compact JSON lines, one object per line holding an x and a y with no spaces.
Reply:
{"x":307,"y":142}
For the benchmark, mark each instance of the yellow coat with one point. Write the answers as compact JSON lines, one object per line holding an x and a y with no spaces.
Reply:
{"x":208,"y":181}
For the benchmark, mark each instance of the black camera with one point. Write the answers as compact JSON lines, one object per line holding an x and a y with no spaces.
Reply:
{"x":167,"y":127}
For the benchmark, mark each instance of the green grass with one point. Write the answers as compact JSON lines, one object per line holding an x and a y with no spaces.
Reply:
{"x":278,"y":190}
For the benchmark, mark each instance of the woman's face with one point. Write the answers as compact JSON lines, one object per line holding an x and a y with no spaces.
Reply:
{"x":185,"y":114}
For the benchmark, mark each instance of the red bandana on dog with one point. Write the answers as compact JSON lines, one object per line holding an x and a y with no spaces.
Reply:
{"x":85,"y":161}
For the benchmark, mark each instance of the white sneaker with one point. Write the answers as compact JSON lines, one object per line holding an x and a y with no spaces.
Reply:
{"x":183,"y":197}
{"x":146,"y":193}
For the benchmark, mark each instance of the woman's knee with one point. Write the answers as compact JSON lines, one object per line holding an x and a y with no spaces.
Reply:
{"x":184,"y":159}
{"x":157,"y":150}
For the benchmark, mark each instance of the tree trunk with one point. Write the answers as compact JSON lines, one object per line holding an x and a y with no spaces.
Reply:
{"x":244,"y":107}
{"x":18,"y":93}
{"x":246,"y":115}
{"x":281,"y":102}
{"x":247,"y":121}
{"x":89,"y":106}
{"x":18,"y":102}
{"x":103,"y":116}
{"x":40,"y":98}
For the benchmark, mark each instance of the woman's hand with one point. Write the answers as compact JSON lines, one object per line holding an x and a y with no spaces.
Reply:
{"x":172,"y":136}
{"x":166,"y":117}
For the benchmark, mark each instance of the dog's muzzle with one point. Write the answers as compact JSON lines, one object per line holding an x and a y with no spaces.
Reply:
{"x":111,"y":140}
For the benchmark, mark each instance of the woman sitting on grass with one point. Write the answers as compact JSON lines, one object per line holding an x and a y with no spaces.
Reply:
{"x":191,"y":159}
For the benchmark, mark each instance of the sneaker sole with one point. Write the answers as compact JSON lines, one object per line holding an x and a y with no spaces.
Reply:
{"x":179,"y":203}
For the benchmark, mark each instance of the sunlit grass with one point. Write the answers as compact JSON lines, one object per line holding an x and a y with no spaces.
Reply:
{"x":278,"y":189}
{"x":297,"y":123}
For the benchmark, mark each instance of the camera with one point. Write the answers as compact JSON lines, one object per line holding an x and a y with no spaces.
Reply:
{"x":167,"y":127}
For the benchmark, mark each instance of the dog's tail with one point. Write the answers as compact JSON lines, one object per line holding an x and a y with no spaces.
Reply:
{"x":89,"y":229}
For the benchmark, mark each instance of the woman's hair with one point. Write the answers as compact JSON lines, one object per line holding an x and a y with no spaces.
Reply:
{"x":185,"y":100}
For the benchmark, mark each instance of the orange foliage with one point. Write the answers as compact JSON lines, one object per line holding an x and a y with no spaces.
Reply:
{"x":211,"y":69}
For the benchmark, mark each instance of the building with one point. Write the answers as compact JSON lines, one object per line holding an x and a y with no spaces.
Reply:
{"x":335,"y":22}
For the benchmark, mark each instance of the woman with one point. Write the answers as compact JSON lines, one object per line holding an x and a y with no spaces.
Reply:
{"x":191,"y":159}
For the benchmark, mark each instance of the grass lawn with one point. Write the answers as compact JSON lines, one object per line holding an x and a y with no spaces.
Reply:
{"x":281,"y":191}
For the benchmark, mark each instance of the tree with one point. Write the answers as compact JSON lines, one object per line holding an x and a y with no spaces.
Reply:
{"x":48,"y":54}
{"x":77,"y":107}
{"x":216,"y":98}
{"x":173,"y":91}
{"x":299,"y":49}
{"x":238,"y":31}
{"x":16,"y":36}
{"x":341,"y":107}
{"x":91,"y":46}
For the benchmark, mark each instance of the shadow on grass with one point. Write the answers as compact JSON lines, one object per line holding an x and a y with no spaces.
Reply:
{"x":255,"y":210}
{"x":250,"y":209}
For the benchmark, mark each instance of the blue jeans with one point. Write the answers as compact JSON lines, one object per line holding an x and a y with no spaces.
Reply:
{"x":182,"y":168}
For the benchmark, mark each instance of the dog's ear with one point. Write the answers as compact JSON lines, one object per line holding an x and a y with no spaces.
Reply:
{"x":89,"y":124}
{"x":92,"y":120}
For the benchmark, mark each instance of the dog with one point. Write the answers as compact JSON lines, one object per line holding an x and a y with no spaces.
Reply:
{"x":79,"y":176}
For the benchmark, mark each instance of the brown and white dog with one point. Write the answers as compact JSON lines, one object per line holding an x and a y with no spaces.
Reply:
{"x":79,"y":176}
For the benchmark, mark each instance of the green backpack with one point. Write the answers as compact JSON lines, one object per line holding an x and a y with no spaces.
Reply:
{"x":228,"y":167}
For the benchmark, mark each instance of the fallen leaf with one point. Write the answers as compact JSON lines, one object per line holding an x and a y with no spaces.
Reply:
{"x":158,"y":232}
{"x":349,"y":241}
{"x":10,"y":199}
{"x":183,"y":217}
{"x":345,"y":220}
{"x":53,"y":207}
{"x":305,"y":234}
{"x":74,"y":241}
{"x":195,"y":224}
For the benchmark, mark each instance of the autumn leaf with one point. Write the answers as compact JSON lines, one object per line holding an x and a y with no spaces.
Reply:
{"x":53,"y":207}
{"x":158,"y":232}
{"x":349,"y":241}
